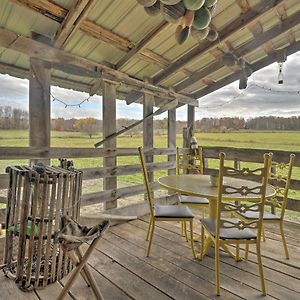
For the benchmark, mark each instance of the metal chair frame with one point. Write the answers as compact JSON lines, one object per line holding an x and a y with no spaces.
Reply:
{"x":232,"y":223}
{"x":186,"y":163}
{"x":154,"y":218}
{"x":280,"y":178}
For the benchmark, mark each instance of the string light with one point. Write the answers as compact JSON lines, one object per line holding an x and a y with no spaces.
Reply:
{"x":70,"y":105}
{"x":273,"y":90}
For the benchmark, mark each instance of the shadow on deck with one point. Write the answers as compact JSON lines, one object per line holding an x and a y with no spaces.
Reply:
{"x":123,"y":272}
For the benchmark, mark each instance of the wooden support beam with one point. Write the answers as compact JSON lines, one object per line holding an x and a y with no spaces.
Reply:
{"x":109,"y":127}
{"x":72,"y":21}
{"x":190,"y":124}
{"x":254,"y":67}
{"x":142,"y":43}
{"x":148,"y":103}
{"x":39,"y":105}
{"x":27,"y":46}
{"x":172,"y":137}
{"x":247,"y":48}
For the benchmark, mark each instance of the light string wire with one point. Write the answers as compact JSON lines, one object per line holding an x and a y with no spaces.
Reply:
{"x":87,"y":99}
{"x":252,"y":84}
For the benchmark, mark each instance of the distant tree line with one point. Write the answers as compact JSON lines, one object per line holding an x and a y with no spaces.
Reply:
{"x":236,"y":123}
{"x":14,"y":118}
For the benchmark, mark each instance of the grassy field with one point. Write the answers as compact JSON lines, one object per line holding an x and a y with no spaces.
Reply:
{"x":260,"y":140}
{"x":280,"y":140}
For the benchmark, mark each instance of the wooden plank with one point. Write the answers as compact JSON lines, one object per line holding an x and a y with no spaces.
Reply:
{"x":8,"y":153}
{"x":112,"y":194}
{"x":93,"y":173}
{"x":109,"y":127}
{"x":39,"y":105}
{"x":161,"y":281}
{"x":148,"y":136}
{"x":172,"y":138}
{"x":277,"y":286}
{"x":72,"y":21}
{"x":9,"y":290}
{"x":141,"y":44}
{"x":131,"y":284}
{"x":190,"y":124}
{"x":123,"y":238}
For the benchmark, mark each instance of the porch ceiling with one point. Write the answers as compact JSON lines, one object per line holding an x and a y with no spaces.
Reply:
{"x":121,"y":35}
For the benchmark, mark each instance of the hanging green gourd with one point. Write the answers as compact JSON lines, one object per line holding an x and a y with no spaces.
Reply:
{"x":172,"y":13}
{"x":193,"y":4}
{"x":170,"y":2}
{"x":210,"y":3}
{"x":146,"y":3}
{"x":153,"y":10}
{"x":199,"y":34}
{"x":202,"y":18}
{"x":212,"y":35}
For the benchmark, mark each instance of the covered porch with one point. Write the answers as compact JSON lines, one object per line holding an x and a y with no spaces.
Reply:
{"x":95,"y":47}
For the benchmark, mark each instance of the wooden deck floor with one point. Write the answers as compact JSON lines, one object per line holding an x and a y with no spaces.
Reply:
{"x":123,"y":272}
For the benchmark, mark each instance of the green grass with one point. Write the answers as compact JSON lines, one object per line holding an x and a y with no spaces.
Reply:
{"x":280,"y":140}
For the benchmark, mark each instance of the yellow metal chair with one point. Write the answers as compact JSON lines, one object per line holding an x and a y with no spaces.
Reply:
{"x":224,"y":230}
{"x":191,"y":163}
{"x":280,"y":178}
{"x":164,"y":212}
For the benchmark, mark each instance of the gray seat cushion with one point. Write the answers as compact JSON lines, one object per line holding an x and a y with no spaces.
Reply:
{"x":172,"y":211}
{"x":253,"y":215}
{"x":232,"y":233}
{"x":185,"y":199}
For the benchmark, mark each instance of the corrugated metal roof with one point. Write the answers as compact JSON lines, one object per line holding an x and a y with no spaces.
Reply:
{"x":128,"y":19}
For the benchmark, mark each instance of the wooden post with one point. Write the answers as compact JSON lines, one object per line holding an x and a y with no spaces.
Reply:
{"x":148,"y":128}
{"x":109,"y":127}
{"x":39,"y":105}
{"x":172,"y":136}
{"x":190,"y":123}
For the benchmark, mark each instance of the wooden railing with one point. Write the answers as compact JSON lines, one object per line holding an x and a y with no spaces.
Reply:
{"x":11,"y":153}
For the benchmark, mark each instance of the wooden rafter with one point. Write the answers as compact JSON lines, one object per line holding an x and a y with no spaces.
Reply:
{"x":72,"y":21}
{"x":142,"y":43}
{"x":255,"y":67}
{"x":243,"y":21}
{"x":249,"y":47}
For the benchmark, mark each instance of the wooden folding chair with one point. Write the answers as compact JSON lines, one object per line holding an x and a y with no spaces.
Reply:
{"x":79,"y":260}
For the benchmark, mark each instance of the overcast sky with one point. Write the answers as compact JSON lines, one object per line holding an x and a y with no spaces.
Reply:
{"x":228,"y":101}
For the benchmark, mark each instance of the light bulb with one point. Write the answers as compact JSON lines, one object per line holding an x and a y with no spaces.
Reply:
{"x":280,"y":74}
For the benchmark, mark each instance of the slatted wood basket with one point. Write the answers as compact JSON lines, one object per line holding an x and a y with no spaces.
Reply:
{"x":37,"y":197}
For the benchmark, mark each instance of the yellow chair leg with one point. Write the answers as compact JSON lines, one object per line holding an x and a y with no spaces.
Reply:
{"x":149,"y":229}
{"x":237,"y":252}
{"x":185,"y":232}
{"x":246,"y":251}
{"x":284,"y":241}
{"x":263,"y":232}
{"x":261,"y":271}
{"x":217,"y":268}
{"x":182,"y":228}
{"x":151,"y":237}
{"x":202,"y":242}
{"x":192,"y":239}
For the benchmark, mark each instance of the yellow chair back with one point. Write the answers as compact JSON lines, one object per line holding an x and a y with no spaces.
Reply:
{"x":189,"y":162}
{"x":226,"y":208}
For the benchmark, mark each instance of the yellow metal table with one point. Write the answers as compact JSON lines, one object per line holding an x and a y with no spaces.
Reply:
{"x":200,"y":186}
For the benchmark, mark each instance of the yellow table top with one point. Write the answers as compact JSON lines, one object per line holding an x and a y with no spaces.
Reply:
{"x":200,"y":186}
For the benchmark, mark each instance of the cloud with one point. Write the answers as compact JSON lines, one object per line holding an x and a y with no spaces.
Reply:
{"x":228,"y":101}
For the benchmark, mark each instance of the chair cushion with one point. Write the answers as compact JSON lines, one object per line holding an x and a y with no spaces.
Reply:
{"x":172,"y":211}
{"x":193,"y":200}
{"x":230,"y":233}
{"x":253,"y":215}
